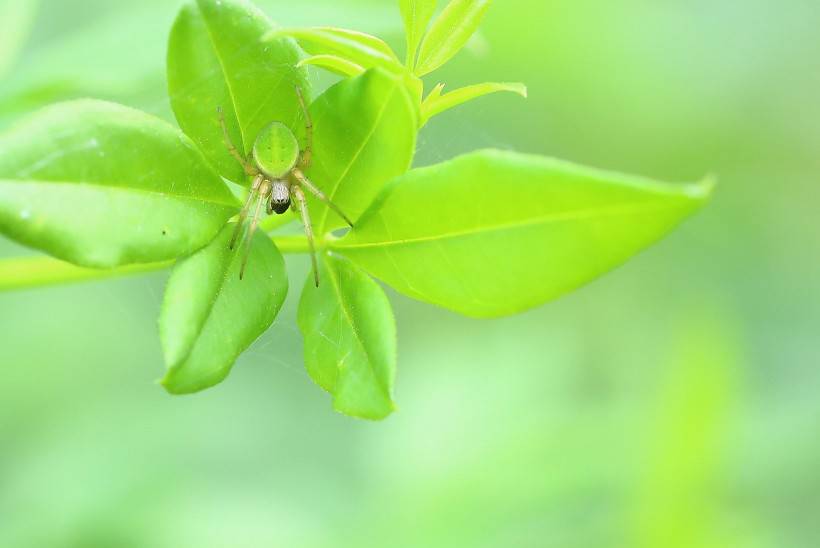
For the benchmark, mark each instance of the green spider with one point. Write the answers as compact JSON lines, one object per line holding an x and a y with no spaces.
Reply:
{"x":276,"y":165}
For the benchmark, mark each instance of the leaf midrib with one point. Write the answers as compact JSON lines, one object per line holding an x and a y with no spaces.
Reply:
{"x":343,"y":305}
{"x":434,"y":56}
{"x":218,"y":55}
{"x":355,"y":157}
{"x":548,"y":219}
{"x":208,"y":313}
{"x":132,"y":189}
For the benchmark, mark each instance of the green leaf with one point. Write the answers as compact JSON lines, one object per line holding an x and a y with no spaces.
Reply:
{"x":365,"y":136}
{"x":101,"y":185}
{"x":349,"y":53}
{"x":435,"y":103}
{"x":450,"y":33}
{"x":216,"y":58}
{"x":350,"y":339}
{"x":209,"y":316}
{"x":434,"y":94}
{"x":16,"y":18}
{"x":357,"y":47}
{"x":334,"y":64}
{"x":417,"y":15}
{"x":495,"y":233}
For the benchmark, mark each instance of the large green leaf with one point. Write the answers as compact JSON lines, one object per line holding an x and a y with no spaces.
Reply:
{"x":350,"y":339}
{"x":365,"y":136}
{"x":216,"y":58}
{"x":494,"y":233}
{"x":102,"y":185}
{"x":209,"y":316}
{"x":450,"y":33}
{"x":417,"y":15}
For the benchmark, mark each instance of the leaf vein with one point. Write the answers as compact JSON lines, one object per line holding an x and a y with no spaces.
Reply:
{"x":548,"y":219}
{"x":353,"y":327}
{"x":356,"y":155}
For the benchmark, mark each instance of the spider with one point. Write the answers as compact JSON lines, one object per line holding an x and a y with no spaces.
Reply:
{"x":277,"y":166}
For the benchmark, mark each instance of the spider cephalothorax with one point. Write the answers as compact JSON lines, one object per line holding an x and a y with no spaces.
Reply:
{"x":276,"y":165}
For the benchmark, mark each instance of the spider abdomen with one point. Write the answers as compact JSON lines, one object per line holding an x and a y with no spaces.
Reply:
{"x":279,"y":197}
{"x":276,"y":150}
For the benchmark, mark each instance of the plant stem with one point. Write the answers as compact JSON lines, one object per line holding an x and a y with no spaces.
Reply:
{"x":290,"y":245}
{"x":30,"y":272}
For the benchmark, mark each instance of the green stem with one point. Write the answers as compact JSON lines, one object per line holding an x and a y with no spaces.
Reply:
{"x":31,"y":272}
{"x":290,"y":245}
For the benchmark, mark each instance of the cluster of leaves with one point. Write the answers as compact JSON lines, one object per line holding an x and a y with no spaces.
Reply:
{"x":488,"y":234}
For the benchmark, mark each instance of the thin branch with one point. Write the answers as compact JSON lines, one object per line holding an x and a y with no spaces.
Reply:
{"x":31,"y":272}
{"x":39,"y":271}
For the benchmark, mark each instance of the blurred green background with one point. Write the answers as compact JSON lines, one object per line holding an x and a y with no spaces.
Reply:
{"x":673,"y":403}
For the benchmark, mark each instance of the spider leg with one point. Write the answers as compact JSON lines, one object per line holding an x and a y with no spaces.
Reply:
{"x":249,"y":169}
{"x":243,"y":215}
{"x":251,"y":232}
{"x":300,"y":199}
{"x":313,"y":189}
{"x":307,"y":154}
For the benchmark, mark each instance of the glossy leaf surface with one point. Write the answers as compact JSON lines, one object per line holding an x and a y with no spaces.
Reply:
{"x":101,"y":185}
{"x":216,"y":58}
{"x":502,"y":232}
{"x":365,"y":136}
{"x":350,"y":339}
{"x":209,"y":316}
